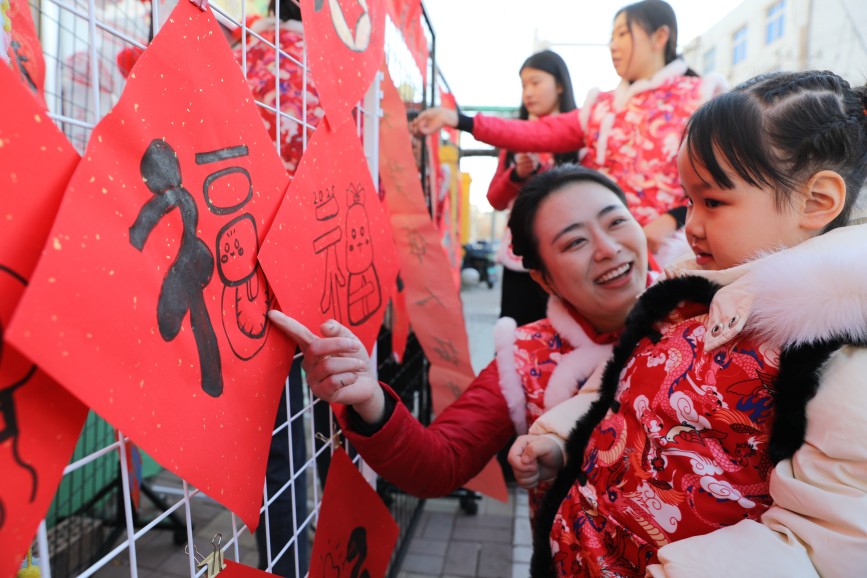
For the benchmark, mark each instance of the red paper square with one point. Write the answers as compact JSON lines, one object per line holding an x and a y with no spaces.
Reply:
{"x":149,"y":304}
{"x":39,"y":421}
{"x":355,"y":533}
{"x":330,"y":254}
{"x":346,"y":44}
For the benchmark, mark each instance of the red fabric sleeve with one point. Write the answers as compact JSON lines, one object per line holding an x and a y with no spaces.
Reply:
{"x":560,"y":133}
{"x":434,"y":461}
{"x":503,"y":189}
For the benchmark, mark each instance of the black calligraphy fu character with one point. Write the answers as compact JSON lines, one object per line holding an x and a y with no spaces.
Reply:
{"x":184,"y":283}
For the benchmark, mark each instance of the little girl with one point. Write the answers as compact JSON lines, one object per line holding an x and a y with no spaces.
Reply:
{"x":546,"y":91}
{"x":710,"y":452}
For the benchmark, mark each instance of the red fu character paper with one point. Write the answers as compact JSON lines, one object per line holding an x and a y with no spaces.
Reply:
{"x":330,"y":253}
{"x":356,"y":533}
{"x":148,"y":303}
{"x":39,"y":420}
{"x":346,"y":44}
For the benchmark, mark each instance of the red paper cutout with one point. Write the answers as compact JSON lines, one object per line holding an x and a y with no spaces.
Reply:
{"x":235,"y":570}
{"x":25,"y":52}
{"x":331,"y":253}
{"x":406,"y":15}
{"x":346,"y":43}
{"x":39,"y":421}
{"x":148,"y":303}
{"x":432,"y":299}
{"x":399,"y":321}
{"x":356,"y":534}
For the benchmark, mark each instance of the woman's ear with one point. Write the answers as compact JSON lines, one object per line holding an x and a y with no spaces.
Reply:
{"x":825,"y":199}
{"x":660,"y":37}
{"x":539,"y":278}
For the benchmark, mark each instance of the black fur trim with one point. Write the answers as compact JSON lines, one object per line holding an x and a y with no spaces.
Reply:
{"x":653,"y":306}
{"x":797,"y":382}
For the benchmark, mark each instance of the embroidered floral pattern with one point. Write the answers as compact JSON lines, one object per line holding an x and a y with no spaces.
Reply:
{"x":640,"y":147}
{"x":684,"y":454}
{"x":262,"y":76}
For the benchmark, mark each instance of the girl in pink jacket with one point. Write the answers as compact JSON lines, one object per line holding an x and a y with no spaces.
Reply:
{"x":630,"y":134}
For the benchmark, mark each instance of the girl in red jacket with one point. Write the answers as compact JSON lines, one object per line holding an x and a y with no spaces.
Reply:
{"x":582,"y":245}
{"x":630,"y":134}
{"x":546,"y":91}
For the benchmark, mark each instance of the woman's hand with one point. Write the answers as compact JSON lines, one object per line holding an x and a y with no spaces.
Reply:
{"x":525,"y":165}
{"x":431,"y":120}
{"x":337,"y":366}
{"x":658,"y":231}
{"x":535,"y":459}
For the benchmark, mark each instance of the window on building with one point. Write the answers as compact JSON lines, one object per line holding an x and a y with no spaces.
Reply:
{"x":776,"y":18}
{"x":739,"y":45}
{"x":709,"y":61}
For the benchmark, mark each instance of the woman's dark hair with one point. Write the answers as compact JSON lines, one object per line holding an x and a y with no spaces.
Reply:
{"x":289,"y":10}
{"x":778,"y":130}
{"x":552,"y":63}
{"x":523,"y":215}
{"x":652,"y":15}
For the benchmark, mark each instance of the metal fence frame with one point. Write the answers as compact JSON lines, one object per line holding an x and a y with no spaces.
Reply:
{"x":75,"y":34}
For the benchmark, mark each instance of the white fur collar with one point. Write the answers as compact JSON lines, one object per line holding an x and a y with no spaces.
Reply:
{"x":572,"y":369}
{"x":576,"y":366}
{"x":813,"y":291}
{"x":625,"y":90}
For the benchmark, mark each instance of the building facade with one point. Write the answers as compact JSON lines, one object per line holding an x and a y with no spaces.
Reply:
{"x":769,"y":35}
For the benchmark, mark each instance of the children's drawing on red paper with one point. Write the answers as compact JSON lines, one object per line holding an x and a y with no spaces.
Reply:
{"x":356,"y":533}
{"x":337,"y":259}
{"x":149,"y":303}
{"x":365,"y":294}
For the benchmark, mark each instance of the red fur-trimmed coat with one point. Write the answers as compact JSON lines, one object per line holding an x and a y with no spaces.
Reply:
{"x":554,"y":354}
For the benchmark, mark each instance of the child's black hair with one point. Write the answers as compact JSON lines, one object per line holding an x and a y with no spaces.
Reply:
{"x":778,"y":130}
{"x":523,"y":215}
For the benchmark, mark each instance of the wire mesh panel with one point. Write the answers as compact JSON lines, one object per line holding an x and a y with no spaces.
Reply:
{"x":117,"y":512}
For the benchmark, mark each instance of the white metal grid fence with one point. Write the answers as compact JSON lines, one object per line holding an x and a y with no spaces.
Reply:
{"x":81,"y":40}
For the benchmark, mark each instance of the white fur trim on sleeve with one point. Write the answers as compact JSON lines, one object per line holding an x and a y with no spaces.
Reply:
{"x":510,"y":382}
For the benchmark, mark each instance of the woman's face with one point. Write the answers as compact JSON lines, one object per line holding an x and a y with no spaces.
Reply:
{"x":594,"y":252}
{"x":633,"y":51}
{"x":541,"y":93}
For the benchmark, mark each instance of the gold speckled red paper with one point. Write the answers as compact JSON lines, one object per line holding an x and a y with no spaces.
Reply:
{"x":39,"y":420}
{"x":149,"y":304}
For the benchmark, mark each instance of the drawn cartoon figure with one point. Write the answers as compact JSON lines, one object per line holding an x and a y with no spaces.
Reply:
{"x":189,"y":274}
{"x":364,"y":293}
{"x":17,"y":370}
{"x":356,"y":39}
{"x":246,"y":295}
{"x":326,"y":209}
